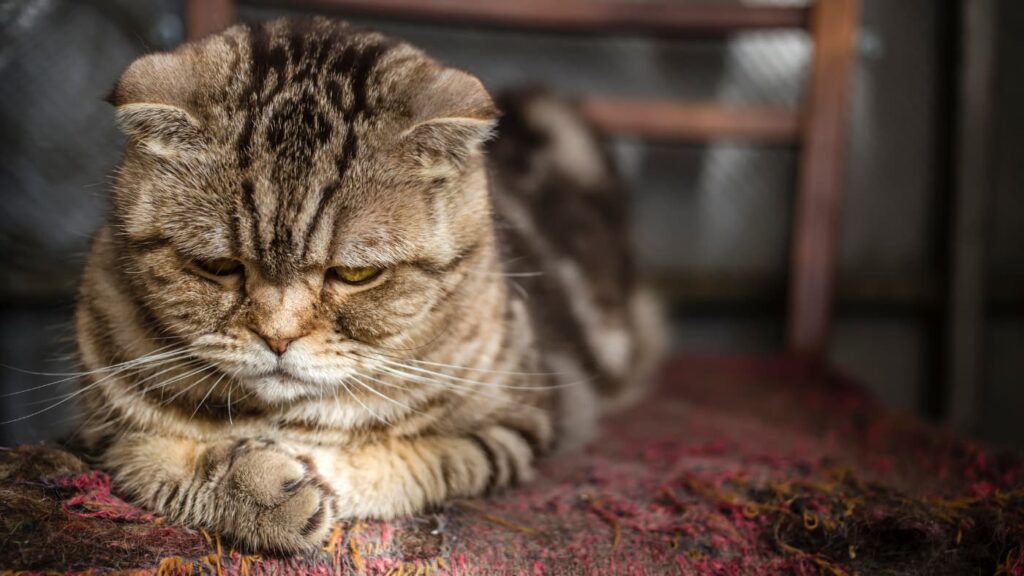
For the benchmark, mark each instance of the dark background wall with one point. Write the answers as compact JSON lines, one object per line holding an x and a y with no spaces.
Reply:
{"x":1001,"y":394}
{"x":712,"y":222}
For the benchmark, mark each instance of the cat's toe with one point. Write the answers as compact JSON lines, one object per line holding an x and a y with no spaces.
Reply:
{"x":307,"y":515}
{"x":280,"y":500}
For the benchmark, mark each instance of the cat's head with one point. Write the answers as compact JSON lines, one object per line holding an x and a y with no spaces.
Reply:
{"x":297,"y":193}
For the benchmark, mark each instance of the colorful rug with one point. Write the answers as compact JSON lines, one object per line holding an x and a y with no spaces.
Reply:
{"x":735,"y":467}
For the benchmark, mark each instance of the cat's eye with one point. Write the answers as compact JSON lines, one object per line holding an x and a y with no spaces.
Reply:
{"x":220,"y":266}
{"x":354,"y":274}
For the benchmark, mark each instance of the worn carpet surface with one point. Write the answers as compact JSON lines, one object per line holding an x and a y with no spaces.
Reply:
{"x":734,"y":467}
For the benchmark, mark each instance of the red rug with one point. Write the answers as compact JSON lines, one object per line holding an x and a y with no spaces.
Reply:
{"x":735,"y":467}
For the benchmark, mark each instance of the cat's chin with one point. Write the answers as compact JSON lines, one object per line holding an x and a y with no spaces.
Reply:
{"x":279,"y":387}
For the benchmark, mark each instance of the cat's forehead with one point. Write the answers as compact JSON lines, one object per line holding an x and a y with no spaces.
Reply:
{"x":311,"y":97}
{"x":361,"y":219}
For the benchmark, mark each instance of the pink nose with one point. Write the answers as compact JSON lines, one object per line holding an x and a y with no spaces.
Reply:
{"x":278,"y":345}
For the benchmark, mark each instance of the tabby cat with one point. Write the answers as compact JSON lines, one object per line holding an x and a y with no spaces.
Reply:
{"x":316,"y":298}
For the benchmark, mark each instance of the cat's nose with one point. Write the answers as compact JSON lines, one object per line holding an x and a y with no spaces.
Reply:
{"x":278,"y":345}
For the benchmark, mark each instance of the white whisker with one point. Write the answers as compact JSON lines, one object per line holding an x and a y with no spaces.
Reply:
{"x":66,"y":398}
{"x":451,"y":386}
{"x":361,"y":403}
{"x":122,"y":370}
{"x":154,"y":355}
{"x":519,"y":289}
{"x":208,"y":392}
{"x":508,"y":274}
{"x":472,"y":369}
{"x":231,"y":387}
{"x":476,"y":382}
{"x":191,"y":386}
{"x":162,"y":384}
{"x":357,"y":380}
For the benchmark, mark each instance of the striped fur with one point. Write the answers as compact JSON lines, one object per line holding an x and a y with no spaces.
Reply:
{"x":292,"y":147}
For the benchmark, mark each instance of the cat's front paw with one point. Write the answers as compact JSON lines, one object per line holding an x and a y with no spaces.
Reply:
{"x":272,"y":499}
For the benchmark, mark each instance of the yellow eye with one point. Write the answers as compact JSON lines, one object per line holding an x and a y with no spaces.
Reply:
{"x":354,"y":275}
{"x":219,"y":266}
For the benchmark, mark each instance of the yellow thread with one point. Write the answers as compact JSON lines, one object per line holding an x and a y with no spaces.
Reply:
{"x":851,"y":504}
{"x":811,"y":521}
{"x":332,"y":543}
{"x":835,"y":570}
{"x":246,"y":564}
{"x":786,"y":547}
{"x":1004,"y":567}
{"x":171,"y":566}
{"x":220,"y":552}
{"x":497,"y":520}
{"x":725,"y":526}
{"x":208,"y":560}
{"x":821,"y":562}
{"x":357,"y":558}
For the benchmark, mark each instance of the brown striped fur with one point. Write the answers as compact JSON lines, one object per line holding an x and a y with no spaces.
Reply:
{"x":267,"y":403}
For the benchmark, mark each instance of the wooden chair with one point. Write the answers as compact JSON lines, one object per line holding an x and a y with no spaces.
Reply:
{"x":818,"y":129}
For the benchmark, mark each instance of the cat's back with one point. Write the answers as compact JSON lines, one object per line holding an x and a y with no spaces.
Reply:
{"x":563,"y":218}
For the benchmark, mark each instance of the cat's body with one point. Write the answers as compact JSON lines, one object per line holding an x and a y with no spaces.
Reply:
{"x":313,"y":302}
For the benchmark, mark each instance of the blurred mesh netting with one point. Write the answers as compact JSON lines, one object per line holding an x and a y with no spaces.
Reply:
{"x":58,"y":59}
{"x":58,"y":144}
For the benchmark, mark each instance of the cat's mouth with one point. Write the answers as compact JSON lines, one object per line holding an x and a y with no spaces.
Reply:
{"x":283,"y":376}
{"x":280,"y":385}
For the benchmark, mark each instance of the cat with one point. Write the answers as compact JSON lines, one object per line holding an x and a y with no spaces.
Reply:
{"x":325,"y":292}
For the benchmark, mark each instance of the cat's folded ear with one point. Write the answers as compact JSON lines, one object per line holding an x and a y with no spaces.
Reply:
{"x":150,"y":100}
{"x":454,"y":115}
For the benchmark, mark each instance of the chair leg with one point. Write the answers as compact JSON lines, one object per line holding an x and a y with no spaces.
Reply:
{"x":204,"y":17}
{"x":819,"y":192}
